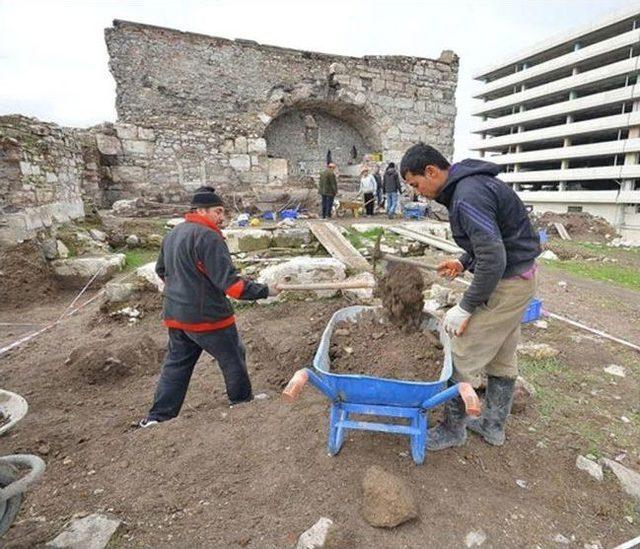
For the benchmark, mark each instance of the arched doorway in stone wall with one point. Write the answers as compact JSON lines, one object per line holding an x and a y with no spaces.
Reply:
{"x":299,"y":139}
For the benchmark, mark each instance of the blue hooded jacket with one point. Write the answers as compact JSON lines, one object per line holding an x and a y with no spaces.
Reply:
{"x":490,"y":223}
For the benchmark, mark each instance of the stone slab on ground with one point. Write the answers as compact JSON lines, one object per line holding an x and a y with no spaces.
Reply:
{"x":360,"y":295}
{"x":294,"y":237}
{"x":537,"y":351}
{"x":91,"y":532}
{"x":387,"y":499}
{"x":629,"y":479}
{"x":304,"y":270}
{"x":589,"y":466}
{"x":75,"y":272}
{"x":247,"y":240}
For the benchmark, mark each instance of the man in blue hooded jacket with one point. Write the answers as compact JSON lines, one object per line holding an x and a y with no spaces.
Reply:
{"x":490,"y":223}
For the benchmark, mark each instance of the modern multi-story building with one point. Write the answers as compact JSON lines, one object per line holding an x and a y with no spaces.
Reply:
{"x":563,"y":118}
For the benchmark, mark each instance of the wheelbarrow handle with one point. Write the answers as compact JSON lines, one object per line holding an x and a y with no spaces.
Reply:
{"x":465,"y":390}
{"x":299,"y":380}
{"x":34,"y":463}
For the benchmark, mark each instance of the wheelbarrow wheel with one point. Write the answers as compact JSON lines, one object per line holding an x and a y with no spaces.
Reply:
{"x":8,"y":508}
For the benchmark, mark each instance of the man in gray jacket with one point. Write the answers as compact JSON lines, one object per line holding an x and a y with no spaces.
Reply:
{"x":196,"y":268}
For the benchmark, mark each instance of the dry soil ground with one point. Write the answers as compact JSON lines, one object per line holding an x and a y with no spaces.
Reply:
{"x":257,"y":475}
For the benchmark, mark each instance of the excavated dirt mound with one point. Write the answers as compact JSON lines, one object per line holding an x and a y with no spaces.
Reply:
{"x":400,"y":289}
{"x":25,"y":276}
{"x":115,"y":359}
{"x":381,"y":349}
{"x":580,"y":225}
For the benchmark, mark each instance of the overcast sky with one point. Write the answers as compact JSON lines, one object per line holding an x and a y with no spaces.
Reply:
{"x":53,"y":59}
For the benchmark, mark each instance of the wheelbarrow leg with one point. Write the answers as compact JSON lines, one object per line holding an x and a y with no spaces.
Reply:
{"x":336,"y":432}
{"x":419,"y":440}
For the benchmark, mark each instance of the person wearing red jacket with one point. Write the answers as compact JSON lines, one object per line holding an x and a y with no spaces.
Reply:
{"x":199,"y":277}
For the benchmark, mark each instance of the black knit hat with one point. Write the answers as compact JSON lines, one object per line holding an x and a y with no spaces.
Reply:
{"x":206,"y":197}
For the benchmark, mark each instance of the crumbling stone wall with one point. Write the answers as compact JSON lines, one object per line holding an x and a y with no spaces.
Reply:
{"x":224,"y":93}
{"x":47,"y":174}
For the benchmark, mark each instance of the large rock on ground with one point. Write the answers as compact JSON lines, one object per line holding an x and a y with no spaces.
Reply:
{"x":92,"y":532}
{"x":291,"y":238}
{"x":629,"y":479}
{"x":523,"y":393}
{"x":247,"y":240}
{"x":146,"y":276}
{"x":316,"y":536}
{"x":305,"y":270}
{"x":77,"y":271}
{"x":387,"y":500}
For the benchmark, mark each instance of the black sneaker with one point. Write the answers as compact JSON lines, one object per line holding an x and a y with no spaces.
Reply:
{"x":144,"y":423}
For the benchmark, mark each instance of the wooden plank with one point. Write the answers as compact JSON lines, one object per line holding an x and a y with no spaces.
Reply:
{"x":338,"y":246}
{"x":562,"y":231}
{"x":428,"y":239}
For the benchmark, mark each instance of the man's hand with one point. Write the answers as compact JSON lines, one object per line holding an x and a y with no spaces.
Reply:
{"x":451,"y":268}
{"x":456,"y":320}
{"x":274,"y":290}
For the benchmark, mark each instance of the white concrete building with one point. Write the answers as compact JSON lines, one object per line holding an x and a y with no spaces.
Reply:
{"x":563,"y":118}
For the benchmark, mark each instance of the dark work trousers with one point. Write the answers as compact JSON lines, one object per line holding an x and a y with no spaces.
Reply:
{"x":369,"y":203}
{"x":327,"y":205}
{"x":184,"y":351}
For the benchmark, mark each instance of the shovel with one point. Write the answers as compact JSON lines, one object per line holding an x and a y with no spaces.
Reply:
{"x":378,"y":254}
{"x":352,"y":285}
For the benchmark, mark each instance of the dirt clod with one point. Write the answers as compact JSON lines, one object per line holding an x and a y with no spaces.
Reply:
{"x":400,"y":289}
{"x":119,"y":359}
{"x":387,"y":500}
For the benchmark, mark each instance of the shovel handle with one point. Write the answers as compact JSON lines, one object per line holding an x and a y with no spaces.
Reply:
{"x":354,"y":285}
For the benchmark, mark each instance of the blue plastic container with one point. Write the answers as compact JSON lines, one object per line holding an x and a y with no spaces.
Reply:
{"x":414,"y":211}
{"x":543,"y":236}
{"x":270,"y":216}
{"x":289,"y":214}
{"x":533,"y":312}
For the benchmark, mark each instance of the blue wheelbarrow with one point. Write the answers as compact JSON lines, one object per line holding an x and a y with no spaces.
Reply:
{"x":375,"y":396}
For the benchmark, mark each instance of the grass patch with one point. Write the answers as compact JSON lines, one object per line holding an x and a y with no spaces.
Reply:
{"x":138,"y":257}
{"x":361,"y":239}
{"x":606,"y":272}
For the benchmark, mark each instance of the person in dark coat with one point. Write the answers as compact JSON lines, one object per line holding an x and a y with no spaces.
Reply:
{"x":392,"y":189}
{"x":328,"y":188}
{"x":199,"y":277}
{"x":491,"y":224}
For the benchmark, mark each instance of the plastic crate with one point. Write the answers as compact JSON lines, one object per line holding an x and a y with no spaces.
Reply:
{"x":533,"y":312}
{"x":269,"y":216}
{"x":289,"y":214}
{"x":414,"y":211}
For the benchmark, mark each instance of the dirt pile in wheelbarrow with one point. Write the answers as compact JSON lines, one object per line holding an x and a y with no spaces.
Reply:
{"x":400,"y":289}
{"x":381,"y":349}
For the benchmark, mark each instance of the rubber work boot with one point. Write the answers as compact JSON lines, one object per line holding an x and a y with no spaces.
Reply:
{"x":498,"y":399}
{"x":452,"y":430}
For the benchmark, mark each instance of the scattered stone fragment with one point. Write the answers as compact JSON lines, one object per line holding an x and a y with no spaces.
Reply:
{"x":146,"y":276}
{"x":537,"y":351}
{"x":387,"y":500}
{"x":475,"y":538}
{"x":522,"y":483}
{"x":615,"y":370}
{"x":91,"y":532}
{"x":591,"y":467}
{"x":316,"y":536}
{"x":154,"y":240}
{"x":549,"y":255}
{"x":133,"y":240}
{"x":562,"y":540}
{"x":98,"y":235}
{"x":49,"y":249}
{"x":542,"y":324}
{"x":562,"y":284}
{"x":173,"y":222}
{"x":523,"y":394}
{"x":629,"y":479}
{"x":63,"y":251}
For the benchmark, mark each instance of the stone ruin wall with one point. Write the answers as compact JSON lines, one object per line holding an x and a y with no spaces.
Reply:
{"x":240,"y":115}
{"x":243,"y":117}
